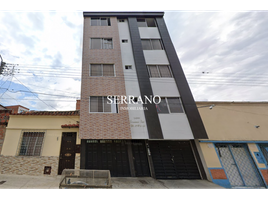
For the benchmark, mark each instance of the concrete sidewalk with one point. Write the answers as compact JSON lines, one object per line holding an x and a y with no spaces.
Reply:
{"x":44,"y":182}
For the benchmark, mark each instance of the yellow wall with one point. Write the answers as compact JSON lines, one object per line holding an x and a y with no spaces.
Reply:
{"x":50,"y":124}
{"x":210,"y":155}
{"x":235,"y":121}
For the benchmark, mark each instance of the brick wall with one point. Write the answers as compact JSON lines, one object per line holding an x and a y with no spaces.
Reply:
{"x":102,"y":125}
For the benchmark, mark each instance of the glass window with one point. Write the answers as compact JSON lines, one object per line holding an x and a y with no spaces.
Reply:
{"x":146,"y":45}
{"x":107,"y":44}
{"x":162,"y":106}
{"x":156,"y":44}
{"x":150,"y":22}
{"x":104,"y":22}
{"x":95,"y":43}
{"x":102,"y":104}
{"x":96,"y":70}
{"x":141,"y":22}
{"x":174,"y":105}
{"x":100,"y":21}
{"x":94,"y":21}
{"x":31,"y":143}
{"x":107,"y":106}
{"x":153,"y":71}
{"x":164,"y":71}
{"x":93,"y":104}
{"x":108,"y":70}
{"x":156,"y":71}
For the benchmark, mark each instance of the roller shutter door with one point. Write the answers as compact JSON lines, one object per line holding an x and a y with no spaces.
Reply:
{"x":173,"y":160}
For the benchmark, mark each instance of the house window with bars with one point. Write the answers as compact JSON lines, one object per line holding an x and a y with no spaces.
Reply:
{"x":31,"y":143}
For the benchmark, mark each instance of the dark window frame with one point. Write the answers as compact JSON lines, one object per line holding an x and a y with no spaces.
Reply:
{"x":151,"y":44}
{"x":99,"y":21}
{"x":159,"y":72}
{"x":32,"y":143}
{"x":102,"y":40}
{"x":168,"y":106}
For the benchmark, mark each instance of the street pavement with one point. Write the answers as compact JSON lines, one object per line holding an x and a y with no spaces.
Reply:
{"x":8,"y":181}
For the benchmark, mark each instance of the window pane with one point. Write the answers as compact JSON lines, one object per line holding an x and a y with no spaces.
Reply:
{"x":107,"y":107}
{"x":108,"y":70}
{"x":141,"y":22}
{"x":107,"y":44}
{"x":104,"y":22}
{"x":95,"y":43}
{"x":153,"y":71}
{"x":31,"y":143}
{"x":93,"y":104}
{"x":95,"y":70}
{"x":156,"y":44}
{"x":164,"y":71}
{"x":150,"y":22}
{"x":100,"y":104}
{"x":94,"y":21}
{"x":175,"y":105}
{"x":162,"y":106}
{"x":146,"y":45}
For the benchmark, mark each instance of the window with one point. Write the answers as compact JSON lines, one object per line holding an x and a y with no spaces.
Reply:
{"x":101,"y":43}
{"x":169,"y":105}
{"x":162,"y":106}
{"x":121,"y":20}
{"x":101,"y":105}
{"x":125,"y":41}
{"x":101,"y":70}
{"x":157,"y":71}
{"x":151,"y":44}
{"x":146,"y":22}
{"x":31,"y":143}
{"x":100,"y":21}
{"x":128,"y":67}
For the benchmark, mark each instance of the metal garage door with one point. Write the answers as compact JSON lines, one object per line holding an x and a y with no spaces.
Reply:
{"x":108,"y":155}
{"x":173,"y":160}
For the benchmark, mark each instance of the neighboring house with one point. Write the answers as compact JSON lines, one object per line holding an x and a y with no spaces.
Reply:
{"x":41,"y":142}
{"x":17,"y":108}
{"x":236,"y":153}
{"x":4,"y":117}
{"x":131,"y":54}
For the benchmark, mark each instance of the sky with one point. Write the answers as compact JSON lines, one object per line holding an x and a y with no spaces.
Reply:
{"x":223,"y":53}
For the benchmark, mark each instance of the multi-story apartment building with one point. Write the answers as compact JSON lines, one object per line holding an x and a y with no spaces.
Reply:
{"x":129,"y":56}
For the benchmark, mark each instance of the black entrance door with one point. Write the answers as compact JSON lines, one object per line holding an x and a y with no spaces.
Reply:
{"x":67,"y":152}
{"x":108,"y":155}
{"x":140,"y":158}
{"x":173,"y":160}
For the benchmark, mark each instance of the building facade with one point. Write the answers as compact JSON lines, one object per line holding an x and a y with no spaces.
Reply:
{"x":236,"y":153}
{"x":129,"y":61}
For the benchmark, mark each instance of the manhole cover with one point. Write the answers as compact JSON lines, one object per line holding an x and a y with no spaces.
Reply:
{"x":2,"y":182}
{"x":143,"y":181}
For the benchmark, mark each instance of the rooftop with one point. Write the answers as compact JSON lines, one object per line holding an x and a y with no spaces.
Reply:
{"x":124,"y":14}
{"x":54,"y":113}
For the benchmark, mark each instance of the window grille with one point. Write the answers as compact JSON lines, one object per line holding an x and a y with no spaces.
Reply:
{"x":31,"y":143}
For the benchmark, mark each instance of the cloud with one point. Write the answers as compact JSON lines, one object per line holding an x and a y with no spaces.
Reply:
{"x":37,"y":20}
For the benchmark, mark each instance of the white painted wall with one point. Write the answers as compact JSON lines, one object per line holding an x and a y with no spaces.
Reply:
{"x":154,"y":57}
{"x":164,"y":87}
{"x":149,"y":32}
{"x":175,"y":126}
{"x":137,"y":119}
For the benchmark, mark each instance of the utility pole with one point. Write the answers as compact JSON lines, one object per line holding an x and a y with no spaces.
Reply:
{"x":7,"y":69}
{"x":2,"y":65}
